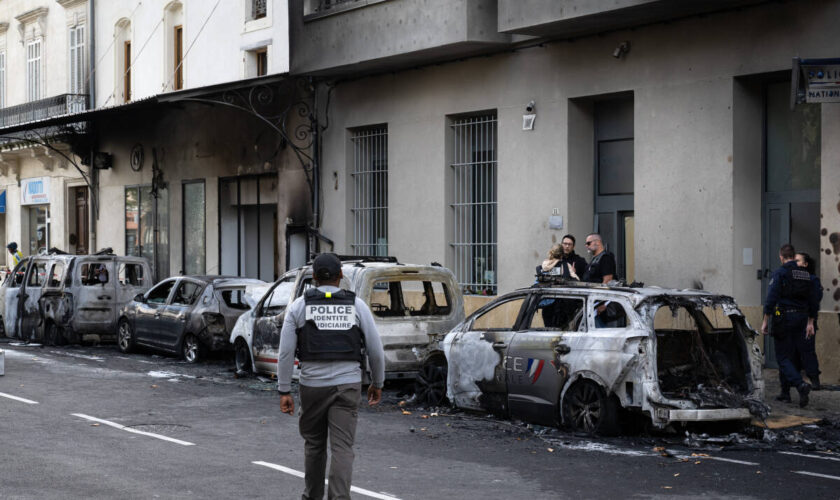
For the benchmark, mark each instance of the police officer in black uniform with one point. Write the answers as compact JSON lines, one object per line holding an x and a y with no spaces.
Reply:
{"x":331,"y":331}
{"x":792,"y":305}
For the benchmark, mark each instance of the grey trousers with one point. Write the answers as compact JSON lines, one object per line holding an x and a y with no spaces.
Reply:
{"x":329,"y":411}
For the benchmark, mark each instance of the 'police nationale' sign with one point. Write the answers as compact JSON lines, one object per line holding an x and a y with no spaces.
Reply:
{"x":35,"y":191}
{"x":816,"y":80}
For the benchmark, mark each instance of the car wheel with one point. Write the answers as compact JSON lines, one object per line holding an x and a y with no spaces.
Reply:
{"x":242,"y":355}
{"x":125,"y":336}
{"x":191,"y":349}
{"x":430,"y":384}
{"x":54,"y":335}
{"x":587,"y":408}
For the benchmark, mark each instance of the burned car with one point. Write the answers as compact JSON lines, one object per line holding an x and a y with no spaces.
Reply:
{"x":186,"y":315}
{"x":582,"y":354}
{"x":408,"y":303}
{"x":57,"y":297}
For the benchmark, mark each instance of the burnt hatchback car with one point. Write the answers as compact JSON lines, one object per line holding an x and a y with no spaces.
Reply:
{"x":408,"y":303}
{"x":186,"y":315}
{"x":581,"y":354}
{"x":58,"y":298}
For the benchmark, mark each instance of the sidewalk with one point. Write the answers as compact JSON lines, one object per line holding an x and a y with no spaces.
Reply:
{"x":823,"y":404}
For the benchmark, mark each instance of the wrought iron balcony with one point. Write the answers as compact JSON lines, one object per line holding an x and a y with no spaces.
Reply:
{"x":59,"y":105}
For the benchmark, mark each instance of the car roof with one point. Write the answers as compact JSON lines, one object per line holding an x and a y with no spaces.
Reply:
{"x":222,"y":280}
{"x":636,"y":294}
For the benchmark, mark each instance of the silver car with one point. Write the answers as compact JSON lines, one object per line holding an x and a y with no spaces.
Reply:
{"x":409,"y":302}
{"x":186,"y":315}
{"x":57,"y":298}
{"x":580,"y":354}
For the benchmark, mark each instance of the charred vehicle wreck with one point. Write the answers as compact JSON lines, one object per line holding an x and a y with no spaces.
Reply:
{"x":582,"y":354}
{"x":408,"y":303}
{"x":186,"y":315}
{"x":57,"y":298}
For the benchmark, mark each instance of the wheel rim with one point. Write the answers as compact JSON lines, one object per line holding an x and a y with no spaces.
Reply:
{"x":125,"y":336}
{"x":585,"y":408}
{"x":190,"y":349}
{"x":242,"y":358}
{"x":430,"y":384}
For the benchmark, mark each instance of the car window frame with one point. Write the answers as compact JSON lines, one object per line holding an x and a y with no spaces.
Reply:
{"x":517,"y":325}
{"x":629,"y":313}
{"x":33,"y":267}
{"x":168,"y":296}
{"x":537,"y":297}
{"x":61,"y":278}
{"x":259,"y":310}
{"x":181,"y":282}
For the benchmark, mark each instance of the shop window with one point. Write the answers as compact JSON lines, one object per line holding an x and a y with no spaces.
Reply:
{"x":193,"y":224}
{"x":147,"y":226}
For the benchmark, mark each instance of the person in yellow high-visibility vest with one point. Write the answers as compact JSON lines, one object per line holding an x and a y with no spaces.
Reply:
{"x":16,"y":255}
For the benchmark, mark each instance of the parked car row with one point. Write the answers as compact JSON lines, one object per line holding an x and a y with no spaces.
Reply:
{"x":555,"y":353}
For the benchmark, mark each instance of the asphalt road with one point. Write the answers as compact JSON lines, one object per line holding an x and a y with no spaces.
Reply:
{"x":89,"y":422}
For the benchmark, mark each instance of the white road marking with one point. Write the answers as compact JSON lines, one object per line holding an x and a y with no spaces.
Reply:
{"x":727,"y":460}
{"x":297,"y":473}
{"x":809,"y":456}
{"x":826,"y":476}
{"x":22,"y":400}
{"x":133,"y":431}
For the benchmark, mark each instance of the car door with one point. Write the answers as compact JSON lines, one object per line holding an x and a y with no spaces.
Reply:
{"x":13,"y":284}
{"x":96,"y":292}
{"x":536,"y":367}
{"x":268,"y":320}
{"x":147,"y":328}
{"x":477,"y":355}
{"x":29,"y":312}
{"x":176,"y":313}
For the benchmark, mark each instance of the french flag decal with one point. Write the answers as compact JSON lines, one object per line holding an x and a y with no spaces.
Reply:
{"x":534,"y":369}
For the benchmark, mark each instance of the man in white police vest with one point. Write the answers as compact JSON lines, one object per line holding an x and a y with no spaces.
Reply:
{"x":329,"y":330}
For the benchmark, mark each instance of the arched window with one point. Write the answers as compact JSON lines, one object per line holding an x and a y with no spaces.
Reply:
{"x":174,"y":36}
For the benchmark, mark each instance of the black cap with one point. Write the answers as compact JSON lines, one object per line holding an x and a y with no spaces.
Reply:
{"x":326,"y":267}
{"x":12,"y":246}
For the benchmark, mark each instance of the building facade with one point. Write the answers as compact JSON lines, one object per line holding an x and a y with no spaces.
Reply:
{"x":669,"y":131}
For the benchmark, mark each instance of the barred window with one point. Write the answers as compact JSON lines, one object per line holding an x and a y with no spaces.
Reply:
{"x":370,"y":191}
{"x":474,"y":213}
{"x":77,"y":60}
{"x":258,"y":9}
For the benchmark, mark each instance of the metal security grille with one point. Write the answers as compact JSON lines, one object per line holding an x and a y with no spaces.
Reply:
{"x":33,"y":70}
{"x":258,"y":9}
{"x":474,"y":195}
{"x":370,"y":191}
{"x":77,"y":60}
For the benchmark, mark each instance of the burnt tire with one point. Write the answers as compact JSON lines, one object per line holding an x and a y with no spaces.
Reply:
{"x":587,"y":408}
{"x":430,"y":384}
{"x":242,"y":357}
{"x":125,"y":336}
{"x":191,"y":349}
{"x":53,"y":334}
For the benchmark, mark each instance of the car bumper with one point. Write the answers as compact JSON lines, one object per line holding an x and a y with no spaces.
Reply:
{"x":697,"y":415}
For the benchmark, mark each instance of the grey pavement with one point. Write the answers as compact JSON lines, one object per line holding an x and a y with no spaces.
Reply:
{"x":48,"y":451}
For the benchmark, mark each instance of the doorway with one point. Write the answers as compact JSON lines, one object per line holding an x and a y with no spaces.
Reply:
{"x":614,"y":170}
{"x":248,"y":227}
{"x":79,"y":221}
{"x":791,"y":179}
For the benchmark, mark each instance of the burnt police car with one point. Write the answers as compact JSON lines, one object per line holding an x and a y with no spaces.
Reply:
{"x":579,"y":354}
{"x":408,"y":303}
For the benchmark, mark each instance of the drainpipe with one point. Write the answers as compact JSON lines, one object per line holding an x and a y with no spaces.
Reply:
{"x":94,"y":198}
{"x":316,"y":154}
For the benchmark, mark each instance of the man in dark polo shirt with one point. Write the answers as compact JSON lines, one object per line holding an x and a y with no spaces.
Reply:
{"x":601,"y":268}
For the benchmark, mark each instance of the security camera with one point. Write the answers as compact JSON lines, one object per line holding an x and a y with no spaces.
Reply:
{"x":622,"y":49}
{"x":530,"y":107}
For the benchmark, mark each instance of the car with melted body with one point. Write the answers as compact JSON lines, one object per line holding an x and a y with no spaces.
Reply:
{"x":584,"y":354}
{"x":408,"y":301}
{"x":186,"y":315}
{"x":57,"y":298}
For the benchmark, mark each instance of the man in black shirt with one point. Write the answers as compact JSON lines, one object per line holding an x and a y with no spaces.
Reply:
{"x":601,"y":268}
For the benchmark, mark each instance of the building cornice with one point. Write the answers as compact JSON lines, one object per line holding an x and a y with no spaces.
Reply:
{"x":69,"y":4}
{"x":33,"y":15}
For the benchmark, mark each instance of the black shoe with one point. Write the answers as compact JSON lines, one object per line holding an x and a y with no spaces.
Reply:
{"x":804,"y":388}
{"x":815,"y":382}
{"x":783,"y":397}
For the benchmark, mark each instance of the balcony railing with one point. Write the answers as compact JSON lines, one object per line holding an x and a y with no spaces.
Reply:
{"x":59,"y":105}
